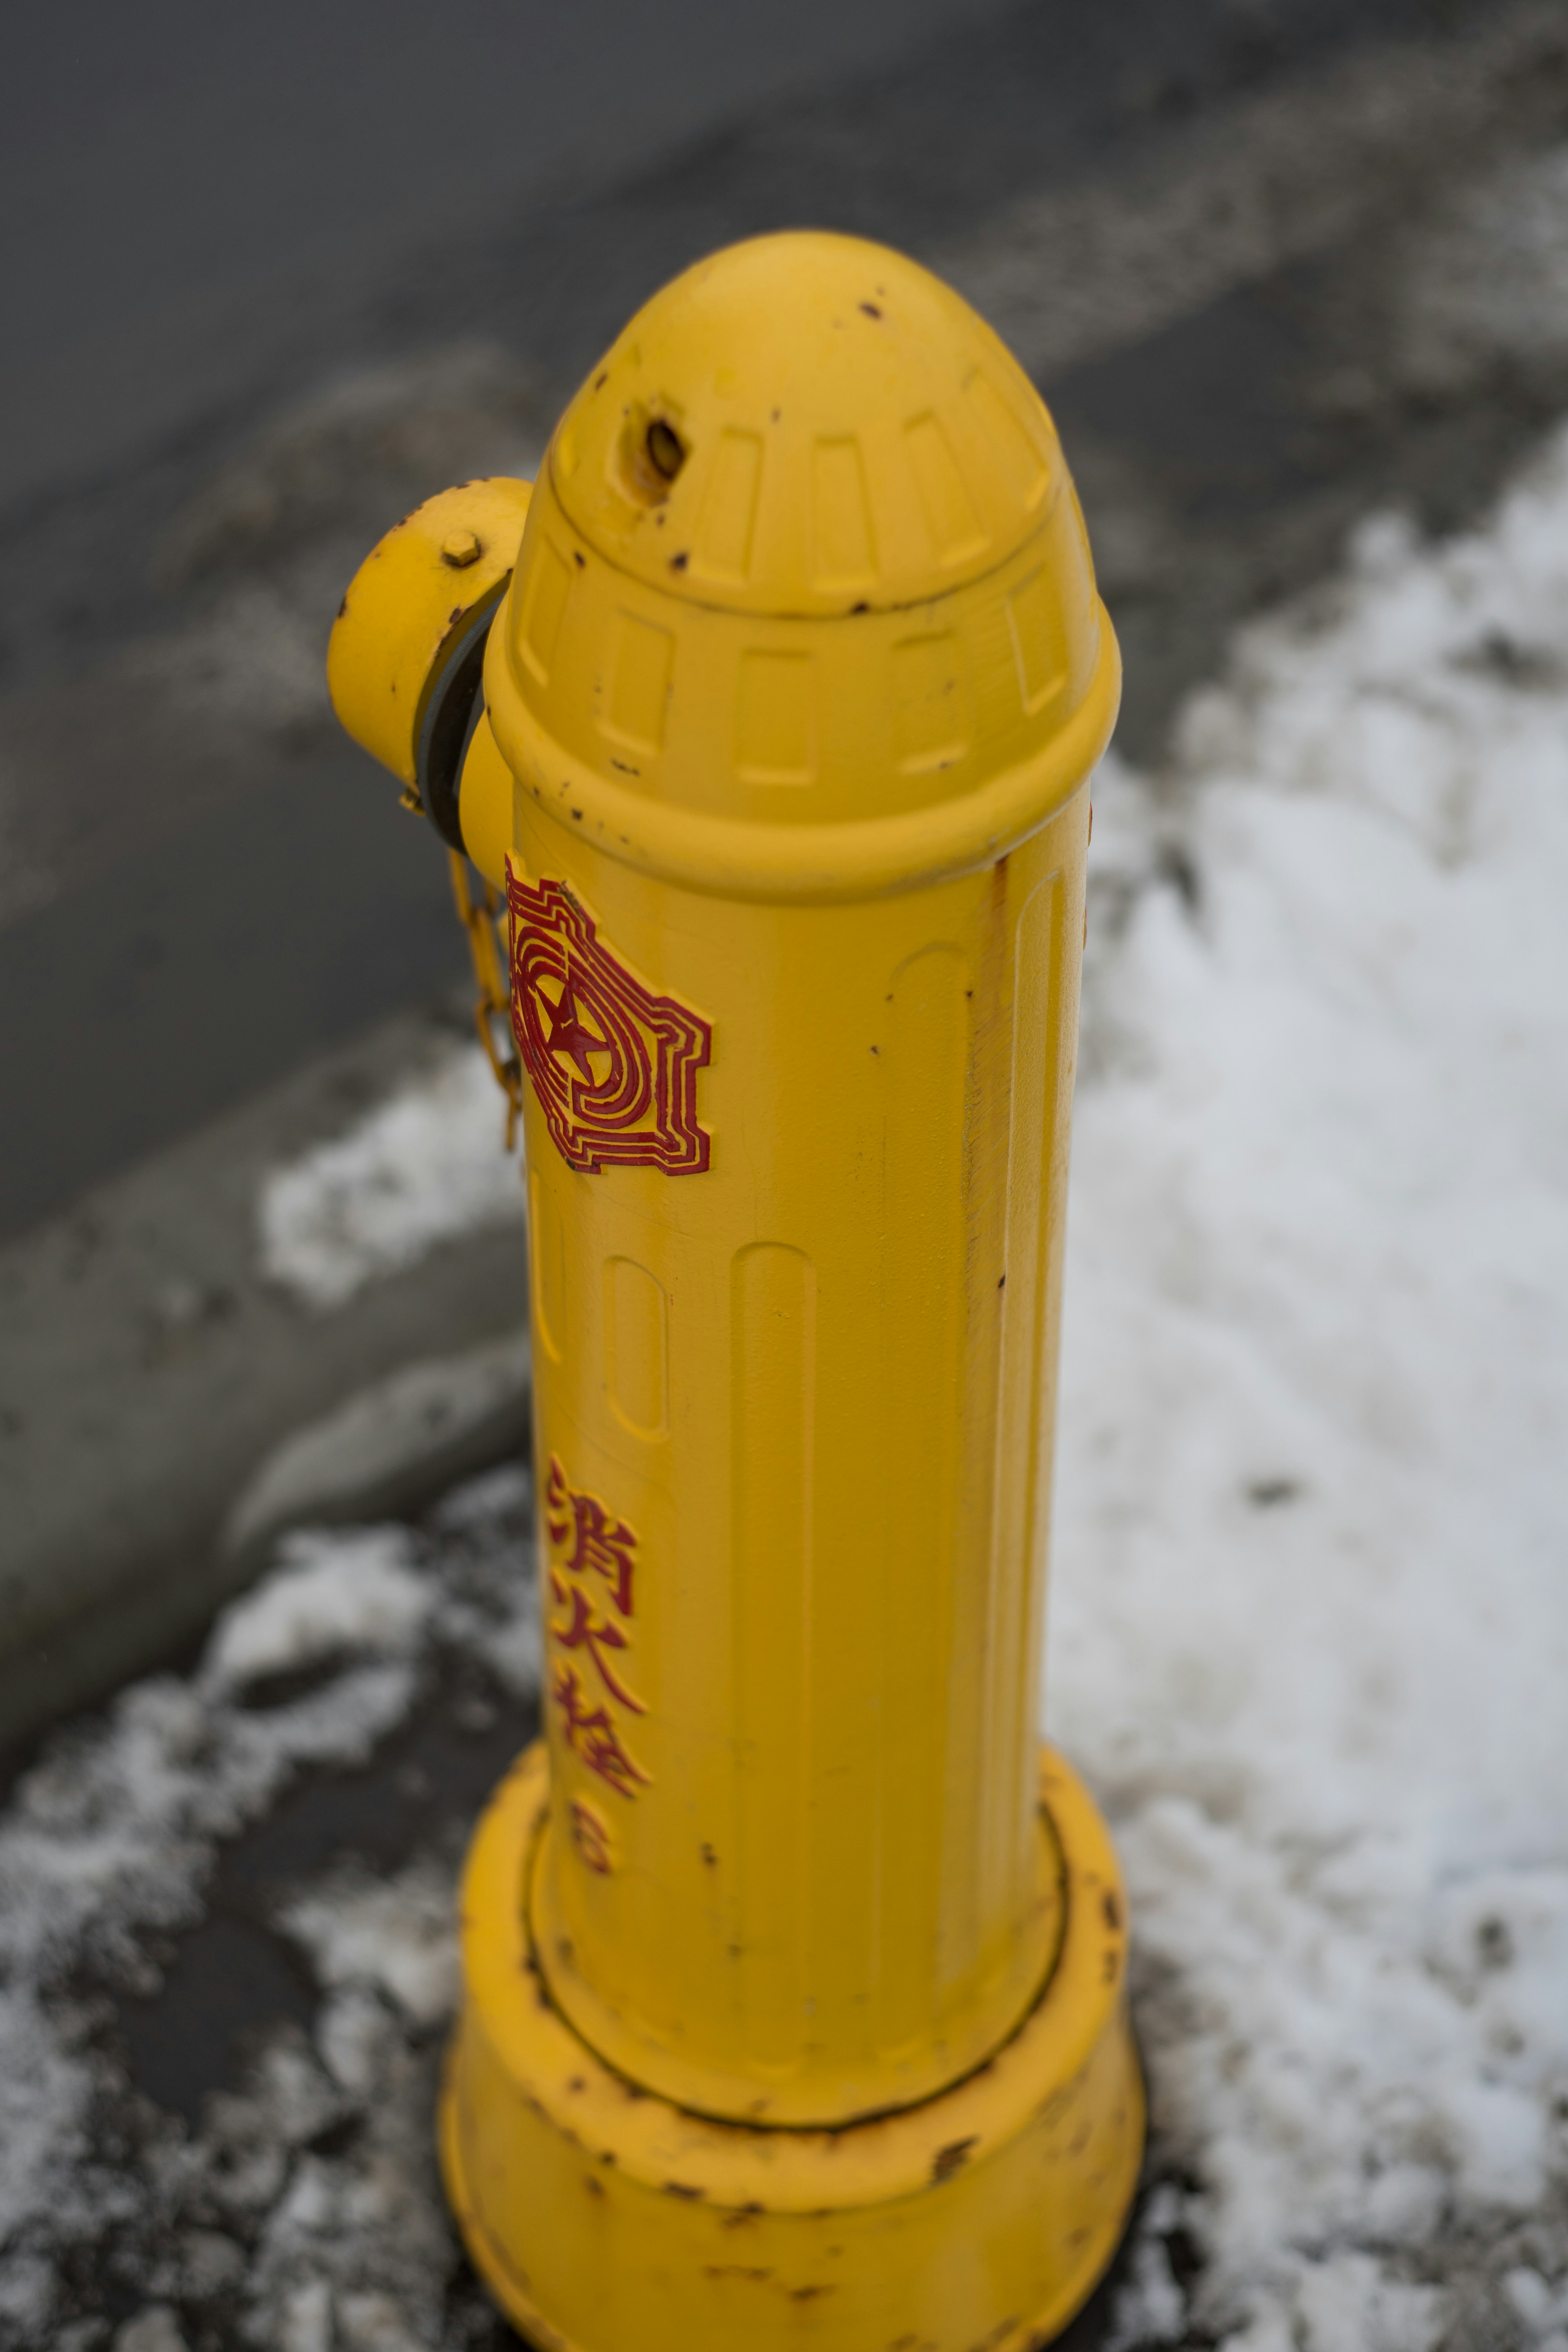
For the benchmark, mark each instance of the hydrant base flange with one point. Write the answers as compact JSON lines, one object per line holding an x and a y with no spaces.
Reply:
{"x":606,"y":2219}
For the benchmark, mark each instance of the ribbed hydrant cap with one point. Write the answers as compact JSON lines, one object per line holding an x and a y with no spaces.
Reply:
{"x":804,"y":423}
{"x":805,"y":554}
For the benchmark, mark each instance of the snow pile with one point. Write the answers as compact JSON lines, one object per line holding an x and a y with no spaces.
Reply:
{"x":1309,"y":1630}
{"x":331,"y":1595}
{"x":392,"y":1938}
{"x":425,"y":1167}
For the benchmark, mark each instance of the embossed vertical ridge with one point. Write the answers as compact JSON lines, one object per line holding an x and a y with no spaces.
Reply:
{"x":547,"y":1267}
{"x":986,"y":1765}
{"x":1035,"y":1169}
{"x":924,"y":1062}
{"x":772,"y":1326}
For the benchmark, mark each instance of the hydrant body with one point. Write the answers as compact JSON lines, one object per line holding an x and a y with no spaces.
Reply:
{"x":792,"y":1993}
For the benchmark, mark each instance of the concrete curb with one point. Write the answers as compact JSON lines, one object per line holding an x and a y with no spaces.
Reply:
{"x":165,"y":1412}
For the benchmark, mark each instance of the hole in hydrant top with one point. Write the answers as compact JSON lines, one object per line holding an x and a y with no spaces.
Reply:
{"x":652,"y":455}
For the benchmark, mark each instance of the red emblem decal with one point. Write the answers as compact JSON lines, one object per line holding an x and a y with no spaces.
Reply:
{"x":614,"y":1068}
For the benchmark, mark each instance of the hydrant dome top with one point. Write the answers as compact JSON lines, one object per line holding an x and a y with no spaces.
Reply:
{"x":804,"y":605}
{"x":810,"y":424}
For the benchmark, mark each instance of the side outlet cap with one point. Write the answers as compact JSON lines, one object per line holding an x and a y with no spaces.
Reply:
{"x":411,"y":608}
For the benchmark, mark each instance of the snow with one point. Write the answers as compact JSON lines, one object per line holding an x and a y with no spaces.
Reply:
{"x":1310,"y":1613}
{"x":354,"y":1591}
{"x":251,"y":2226}
{"x":1309,"y":1628}
{"x":394,"y":1937}
{"x":419,"y":1169}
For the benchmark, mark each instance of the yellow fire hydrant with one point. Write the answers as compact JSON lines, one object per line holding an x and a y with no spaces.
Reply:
{"x":794,"y":1969}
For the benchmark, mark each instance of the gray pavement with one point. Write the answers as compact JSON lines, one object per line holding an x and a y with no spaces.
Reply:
{"x":199,"y":203}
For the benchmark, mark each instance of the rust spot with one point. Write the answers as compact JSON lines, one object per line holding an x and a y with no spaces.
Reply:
{"x":595,"y":2187}
{"x":342,"y":608}
{"x":602,"y":379}
{"x":948,"y":2160}
{"x":576,"y":2083}
{"x":681,"y":2189}
{"x":734,"y":2270}
{"x":808,"y":2293}
{"x":678,"y":562}
{"x":579,"y":559}
{"x":1110,"y":1961}
{"x":709,"y":1857}
{"x":862,"y":607}
{"x":456,"y":614}
{"x":742,"y":2217}
{"x":1001,"y":1282}
{"x":1112,"y":1910}
{"x":577,"y":817}
{"x":870,"y":310}
{"x":998,"y":2335}
{"x":624,"y":768}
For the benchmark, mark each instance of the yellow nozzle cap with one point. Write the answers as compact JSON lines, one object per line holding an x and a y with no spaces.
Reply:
{"x":411,"y":605}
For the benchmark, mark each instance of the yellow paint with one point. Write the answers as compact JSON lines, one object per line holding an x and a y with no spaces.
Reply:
{"x":796,"y":690}
{"x":609,"y":2221}
{"x":409,"y":607}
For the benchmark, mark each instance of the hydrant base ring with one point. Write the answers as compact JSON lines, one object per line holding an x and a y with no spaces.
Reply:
{"x":605,"y":2219}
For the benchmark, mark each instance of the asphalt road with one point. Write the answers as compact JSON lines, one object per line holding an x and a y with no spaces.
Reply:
{"x":196,"y":201}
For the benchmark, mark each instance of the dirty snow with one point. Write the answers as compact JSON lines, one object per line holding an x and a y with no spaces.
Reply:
{"x":395,"y":1938}
{"x":421,"y":1168}
{"x":330,"y":1595}
{"x":304,"y":2213}
{"x":1310,"y":1632}
{"x":1310,"y":1620}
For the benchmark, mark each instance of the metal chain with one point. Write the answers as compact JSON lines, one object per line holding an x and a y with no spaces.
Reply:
{"x":482,"y":919}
